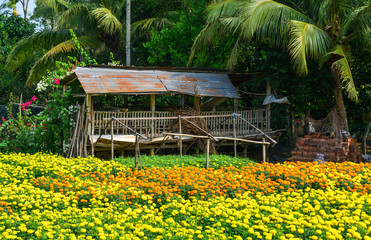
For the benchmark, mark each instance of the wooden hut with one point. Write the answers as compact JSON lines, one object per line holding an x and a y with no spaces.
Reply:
{"x":102,"y":133}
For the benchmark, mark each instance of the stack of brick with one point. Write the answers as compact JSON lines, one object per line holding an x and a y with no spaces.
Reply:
{"x":332,"y":149}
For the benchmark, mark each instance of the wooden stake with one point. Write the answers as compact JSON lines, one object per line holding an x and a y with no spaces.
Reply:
{"x":207,"y":152}
{"x":264,"y":151}
{"x":136,"y":151}
{"x":180,"y":137}
{"x":112,"y":150}
{"x":235,"y":136}
{"x":153,"y":108}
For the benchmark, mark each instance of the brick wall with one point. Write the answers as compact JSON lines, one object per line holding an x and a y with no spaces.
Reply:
{"x":333,"y":150}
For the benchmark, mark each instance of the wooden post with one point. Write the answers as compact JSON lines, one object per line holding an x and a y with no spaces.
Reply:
{"x":245,"y":150}
{"x":207,"y":152}
{"x":153,"y":108}
{"x":268,"y":117}
{"x":136,"y":152}
{"x":180,"y":137}
{"x":89,"y":120}
{"x":264,"y":150}
{"x":112,"y":150}
{"x":234,"y":135}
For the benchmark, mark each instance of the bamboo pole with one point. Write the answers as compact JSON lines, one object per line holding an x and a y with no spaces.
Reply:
{"x":207,"y":152}
{"x":260,"y":131}
{"x":70,"y":151}
{"x":216,"y":138}
{"x":235,"y":136}
{"x":180,"y":138}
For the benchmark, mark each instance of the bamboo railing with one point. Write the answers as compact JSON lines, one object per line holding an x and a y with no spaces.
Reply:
{"x":154,"y":124}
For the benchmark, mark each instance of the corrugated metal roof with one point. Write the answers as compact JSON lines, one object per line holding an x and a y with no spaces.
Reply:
{"x":125,"y":81}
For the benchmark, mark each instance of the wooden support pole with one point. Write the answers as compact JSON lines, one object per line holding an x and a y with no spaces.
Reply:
{"x":89,"y":120}
{"x":245,"y":150}
{"x":264,"y":151}
{"x":207,"y":152}
{"x":136,"y":152}
{"x":153,"y":108}
{"x":235,"y":136}
{"x":112,"y":150}
{"x":180,"y":137}
{"x":268,"y":117}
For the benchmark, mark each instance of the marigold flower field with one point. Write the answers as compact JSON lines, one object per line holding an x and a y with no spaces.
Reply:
{"x":45,"y":196}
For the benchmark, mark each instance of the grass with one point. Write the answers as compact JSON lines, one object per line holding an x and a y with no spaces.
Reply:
{"x":168,"y":161}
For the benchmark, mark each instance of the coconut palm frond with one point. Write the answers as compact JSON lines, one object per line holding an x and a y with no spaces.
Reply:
{"x":222,"y":9}
{"x":232,"y":61}
{"x":343,"y":68}
{"x":359,"y":19}
{"x":62,"y":50}
{"x":307,"y":41}
{"x":65,"y":3}
{"x":231,"y":24}
{"x":38,"y":42}
{"x":144,"y":27}
{"x":107,"y":20}
{"x":269,"y":19}
{"x":204,"y":38}
{"x":75,"y":17}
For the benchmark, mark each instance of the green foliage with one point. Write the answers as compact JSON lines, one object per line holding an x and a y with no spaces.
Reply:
{"x":170,"y":161}
{"x":49,"y":130}
{"x":12,"y":29}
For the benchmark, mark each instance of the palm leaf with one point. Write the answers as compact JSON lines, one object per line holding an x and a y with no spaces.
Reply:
{"x":343,"y":68}
{"x":269,"y":19}
{"x":222,"y":9}
{"x":232,"y":61}
{"x":359,"y":20}
{"x":38,"y":42}
{"x":204,"y":38}
{"x":60,"y":51}
{"x":107,"y":20}
{"x":144,"y":27}
{"x":53,"y":4}
{"x":307,"y":41}
{"x":76,"y":17}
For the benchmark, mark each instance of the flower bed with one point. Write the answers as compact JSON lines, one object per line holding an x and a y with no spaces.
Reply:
{"x":49,"y":197}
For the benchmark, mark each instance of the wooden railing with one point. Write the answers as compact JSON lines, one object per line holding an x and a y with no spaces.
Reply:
{"x":153,"y":124}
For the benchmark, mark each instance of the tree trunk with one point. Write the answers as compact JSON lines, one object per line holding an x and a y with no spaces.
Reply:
{"x":128,"y":32}
{"x":339,"y":98}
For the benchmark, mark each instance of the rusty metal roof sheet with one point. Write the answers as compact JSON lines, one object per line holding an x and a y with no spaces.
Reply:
{"x":126,"y":81}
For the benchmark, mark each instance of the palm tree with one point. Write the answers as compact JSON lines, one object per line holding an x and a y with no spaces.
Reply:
{"x":98,"y":26}
{"x":319,"y":30}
